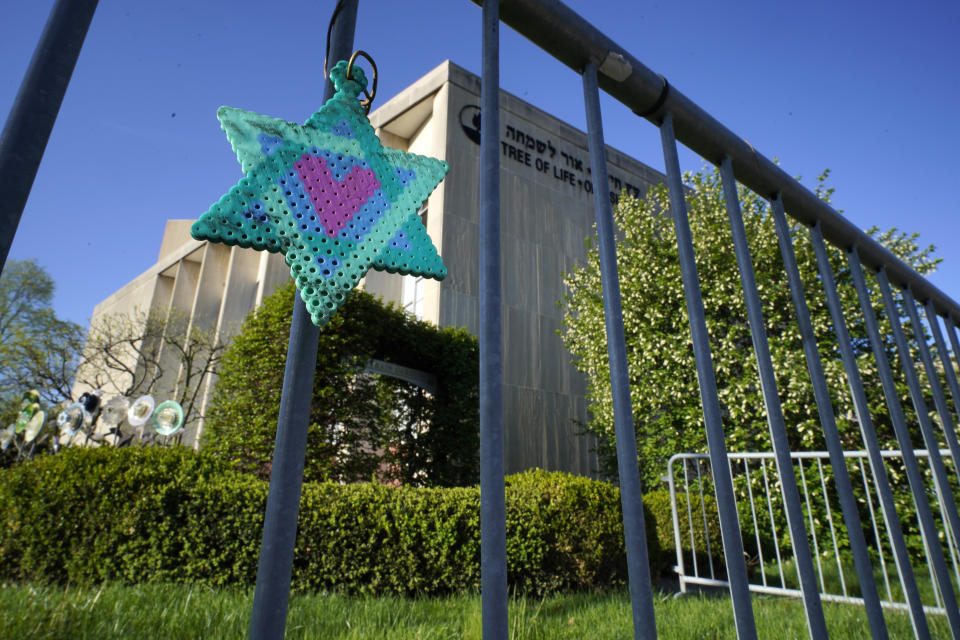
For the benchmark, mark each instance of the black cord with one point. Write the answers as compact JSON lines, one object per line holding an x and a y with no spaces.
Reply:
{"x":333,"y":19}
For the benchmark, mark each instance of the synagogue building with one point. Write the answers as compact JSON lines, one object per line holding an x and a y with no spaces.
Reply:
{"x":546,"y":215}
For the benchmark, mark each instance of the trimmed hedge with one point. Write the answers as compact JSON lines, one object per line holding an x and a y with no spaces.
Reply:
{"x":170,"y":514}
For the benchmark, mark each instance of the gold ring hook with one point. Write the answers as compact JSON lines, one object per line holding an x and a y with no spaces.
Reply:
{"x":369,"y":95}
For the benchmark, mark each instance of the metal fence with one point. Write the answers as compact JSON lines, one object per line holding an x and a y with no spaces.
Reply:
{"x":603,"y":64}
{"x":771,"y":565}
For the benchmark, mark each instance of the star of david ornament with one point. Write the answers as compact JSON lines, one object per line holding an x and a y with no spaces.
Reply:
{"x":328,"y":196}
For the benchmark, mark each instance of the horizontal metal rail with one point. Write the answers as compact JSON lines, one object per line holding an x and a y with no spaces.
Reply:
{"x":558,"y":30}
{"x":795,"y":593}
{"x":812,"y":455}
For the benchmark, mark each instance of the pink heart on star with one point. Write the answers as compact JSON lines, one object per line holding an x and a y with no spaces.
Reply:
{"x":335,"y":201}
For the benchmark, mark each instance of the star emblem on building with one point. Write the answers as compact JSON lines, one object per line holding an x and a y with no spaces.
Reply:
{"x":328,"y":196}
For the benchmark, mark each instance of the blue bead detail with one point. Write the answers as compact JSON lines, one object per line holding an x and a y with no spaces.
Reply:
{"x":364,"y":220}
{"x":298,"y":202}
{"x":269,"y":144}
{"x":342,"y":129}
{"x":401,"y":241}
{"x":256,"y":212}
{"x":328,"y":265}
{"x":405,"y":176}
{"x":340,"y":164}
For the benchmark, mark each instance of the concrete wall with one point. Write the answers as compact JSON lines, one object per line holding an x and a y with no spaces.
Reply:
{"x":546,"y":214}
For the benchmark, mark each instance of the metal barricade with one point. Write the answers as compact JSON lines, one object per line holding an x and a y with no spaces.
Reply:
{"x":769,"y":556}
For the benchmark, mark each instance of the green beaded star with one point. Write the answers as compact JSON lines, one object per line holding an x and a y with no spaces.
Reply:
{"x":328,"y":195}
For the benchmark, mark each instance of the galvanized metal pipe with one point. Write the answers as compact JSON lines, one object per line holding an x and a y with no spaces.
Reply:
{"x":944,"y":492}
{"x":723,"y":482}
{"x":833,"y":530}
{"x":272,"y":592}
{"x":560,"y":31}
{"x":876,"y":531}
{"x":828,"y":424}
{"x":677,"y":545}
{"x":493,"y":511}
{"x":808,"y":455}
{"x":35,"y":109}
{"x":946,"y":419}
{"x":914,"y":478}
{"x":773,"y":525}
{"x":944,"y":354}
{"x":813,"y":528}
{"x":954,"y":345}
{"x":631,"y":498}
{"x":940,"y":480}
{"x":753,"y":513}
{"x":948,"y":507}
{"x":703,"y":519}
{"x":771,"y":399}
{"x":795,"y":593}
{"x":867,"y":431}
{"x":812,"y":455}
{"x":690,"y":528}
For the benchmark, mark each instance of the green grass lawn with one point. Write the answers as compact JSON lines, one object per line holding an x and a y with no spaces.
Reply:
{"x":181,"y":611}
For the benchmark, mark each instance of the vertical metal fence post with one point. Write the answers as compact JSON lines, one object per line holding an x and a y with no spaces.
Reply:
{"x":638,"y":564}
{"x":771,"y":400}
{"x":35,"y":109}
{"x":726,"y":500}
{"x":677,"y":543}
{"x":948,"y":371}
{"x":939,"y":400}
{"x":828,"y":423}
{"x":940,"y":480}
{"x":914,"y":478}
{"x":493,"y":529}
{"x":755,"y":521}
{"x":272,"y":592}
{"x":862,"y":409}
{"x":955,"y":347}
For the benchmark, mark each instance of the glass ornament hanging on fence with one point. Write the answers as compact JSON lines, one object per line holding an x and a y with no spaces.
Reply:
{"x":328,"y":196}
{"x":34,"y":426}
{"x":29,"y":405}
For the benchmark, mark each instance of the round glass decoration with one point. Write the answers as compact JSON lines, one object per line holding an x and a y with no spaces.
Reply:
{"x":168,"y":418}
{"x":115,"y":411}
{"x":6,"y":437}
{"x":140,"y":411}
{"x":71,"y":419}
{"x":34,"y":426}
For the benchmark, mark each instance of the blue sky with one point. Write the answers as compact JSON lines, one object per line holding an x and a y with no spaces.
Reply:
{"x":867,"y":90}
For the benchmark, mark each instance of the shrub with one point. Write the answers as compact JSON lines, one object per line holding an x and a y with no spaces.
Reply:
{"x":360,"y":424}
{"x":587,"y":548}
{"x":154,"y":514}
{"x":89,"y":514}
